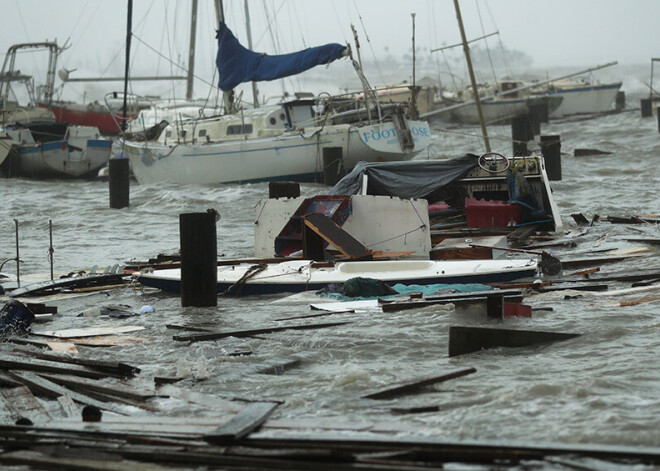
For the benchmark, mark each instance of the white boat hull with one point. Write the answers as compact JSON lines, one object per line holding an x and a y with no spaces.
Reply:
{"x":302,"y":275}
{"x":290,"y":156}
{"x":587,"y":99}
{"x":59,"y":159}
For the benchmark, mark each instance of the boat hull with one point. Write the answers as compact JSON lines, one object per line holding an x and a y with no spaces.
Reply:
{"x":587,"y":99}
{"x":301,"y":275}
{"x":501,"y":110}
{"x":290,"y":156}
{"x":59,"y":160}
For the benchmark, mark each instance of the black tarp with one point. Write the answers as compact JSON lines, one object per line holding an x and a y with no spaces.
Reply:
{"x":410,"y":179}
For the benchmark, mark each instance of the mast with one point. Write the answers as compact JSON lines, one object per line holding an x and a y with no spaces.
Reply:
{"x":228,"y":97}
{"x":129,"y":27}
{"x":466,"y":50}
{"x":191,"y":51}
{"x":366,"y":92}
{"x":413,"y":92}
{"x":255,"y":92}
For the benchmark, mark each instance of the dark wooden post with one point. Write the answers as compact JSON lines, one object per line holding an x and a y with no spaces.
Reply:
{"x":647,"y":107}
{"x":283,"y":190}
{"x":494,"y":306}
{"x":551,"y":150}
{"x":333,"y":169}
{"x":521,"y":132}
{"x":199,"y":256}
{"x":119,"y":183}
{"x":620,"y":101}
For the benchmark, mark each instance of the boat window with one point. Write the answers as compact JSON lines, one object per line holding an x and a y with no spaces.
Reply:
{"x":273,"y":121}
{"x":168,"y":134}
{"x":235,"y":129}
{"x":202,"y":132}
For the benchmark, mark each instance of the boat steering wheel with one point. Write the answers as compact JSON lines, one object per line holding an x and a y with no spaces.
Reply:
{"x":492,"y":162}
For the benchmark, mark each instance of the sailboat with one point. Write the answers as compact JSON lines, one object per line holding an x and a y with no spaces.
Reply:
{"x":32,"y":143}
{"x":295,"y":140}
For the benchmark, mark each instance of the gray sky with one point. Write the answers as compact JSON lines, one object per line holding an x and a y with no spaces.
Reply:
{"x":570,"y":33}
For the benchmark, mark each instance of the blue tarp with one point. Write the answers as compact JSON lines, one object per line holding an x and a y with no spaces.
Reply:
{"x":237,"y":64}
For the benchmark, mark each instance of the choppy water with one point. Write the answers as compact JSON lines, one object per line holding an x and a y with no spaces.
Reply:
{"x":603,"y":387}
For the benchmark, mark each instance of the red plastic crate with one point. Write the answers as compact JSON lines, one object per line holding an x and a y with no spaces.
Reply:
{"x":487,"y":213}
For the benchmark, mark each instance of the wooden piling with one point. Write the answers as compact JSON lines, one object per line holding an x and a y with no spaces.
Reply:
{"x":647,"y":107}
{"x":494,"y":306}
{"x":119,"y":183}
{"x":521,"y":133}
{"x":333,"y":168}
{"x":620,"y":103}
{"x":283,"y":190}
{"x":199,"y":254}
{"x":551,"y":150}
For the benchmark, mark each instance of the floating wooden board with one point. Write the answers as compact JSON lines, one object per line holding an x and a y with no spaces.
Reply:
{"x":349,"y":247}
{"x":464,"y":340}
{"x":45,"y":287}
{"x":251,"y":332}
{"x":417,"y":383}
{"x":348,"y":306}
{"x":279,"y":366}
{"x":242,"y":424}
{"x":22,"y":403}
{"x":89,"y":331}
{"x":41,"y":386}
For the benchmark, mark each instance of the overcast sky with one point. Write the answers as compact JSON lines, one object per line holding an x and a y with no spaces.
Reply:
{"x":553,"y":33}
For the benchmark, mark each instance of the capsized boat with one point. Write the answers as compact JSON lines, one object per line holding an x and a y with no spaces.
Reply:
{"x":292,"y":276}
{"x":292,"y":141}
{"x":506,"y":102}
{"x":579,"y":96}
{"x":54,"y":151}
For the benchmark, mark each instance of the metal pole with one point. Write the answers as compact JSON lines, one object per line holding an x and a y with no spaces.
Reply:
{"x":366,"y":92}
{"x":413,"y":92}
{"x":466,"y":50}
{"x":191,"y":51}
{"x":50,"y":248}
{"x":255,"y":92}
{"x":18,"y":259}
{"x":129,"y":27}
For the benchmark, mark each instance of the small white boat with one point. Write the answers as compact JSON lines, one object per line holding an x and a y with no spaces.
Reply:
{"x":80,"y":152}
{"x":504,"y":102}
{"x":580,"y":96}
{"x":302,"y":275}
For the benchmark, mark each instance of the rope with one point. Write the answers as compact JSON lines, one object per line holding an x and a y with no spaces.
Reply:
{"x":253,"y":271}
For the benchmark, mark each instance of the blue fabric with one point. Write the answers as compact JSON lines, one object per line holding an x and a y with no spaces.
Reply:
{"x":237,"y":64}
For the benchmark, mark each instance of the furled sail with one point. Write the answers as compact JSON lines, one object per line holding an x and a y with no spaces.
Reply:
{"x":236,"y":64}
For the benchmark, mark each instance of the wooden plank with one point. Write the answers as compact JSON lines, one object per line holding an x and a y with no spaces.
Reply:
{"x":519,"y":234}
{"x":417,"y":383}
{"x":41,"y":386}
{"x":89,"y":342}
{"x":37,"y":289}
{"x":22,"y":403}
{"x":349,"y":247}
{"x":63,"y":347}
{"x":279,"y":367}
{"x":84,"y":385}
{"x":70,"y":408}
{"x":251,"y":332}
{"x":242,"y":424}
{"x":89,"y":331}
{"x":113,"y":367}
{"x":10,"y":362}
{"x":464,"y":340}
{"x":38,"y":460}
